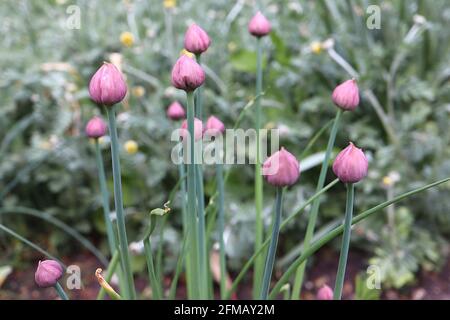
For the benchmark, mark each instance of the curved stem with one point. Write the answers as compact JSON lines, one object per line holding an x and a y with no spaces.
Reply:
{"x":61,"y":291}
{"x":123,"y":241}
{"x":110,"y":272}
{"x":334,"y":233}
{"x":154,"y":283}
{"x":299,"y":277}
{"x":259,"y":225}
{"x":268,"y":268}
{"x":345,"y":243}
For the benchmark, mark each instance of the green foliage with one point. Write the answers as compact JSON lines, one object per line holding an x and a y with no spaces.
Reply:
{"x":47,"y":163}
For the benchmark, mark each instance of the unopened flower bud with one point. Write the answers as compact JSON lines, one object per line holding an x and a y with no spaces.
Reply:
{"x":350,"y":165}
{"x":259,"y":26}
{"x":214,"y":126}
{"x":325,"y":293}
{"x":107,"y":85}
{"x":176,"y":111}
{"x":198,"y":130}
{"x":48,"y":273}
{"x":346,"y":95}
{"x":281,"y":169}
{"x":187,"y":74}
{"x":96,"y":128}
{"x":196,"y":40}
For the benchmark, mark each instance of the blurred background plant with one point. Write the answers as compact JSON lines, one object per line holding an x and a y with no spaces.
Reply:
{"x":47,"y":163}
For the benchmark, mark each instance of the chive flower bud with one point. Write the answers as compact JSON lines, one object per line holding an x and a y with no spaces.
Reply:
{"x":259,"y":26}
{"x":107,"y":86}
{"x":96,"y":128}
{"x":325,"y":293}
{"x":281,"y":169}
{"x":196,"y":40}
{"x":198,"y":129}
{"x":346,"y":95}
{"x":176,"y":111}
{"x":350,"y":165}
{"x":48,"y":273}
{"x":214,"y":126}
{"x":187,"y":74}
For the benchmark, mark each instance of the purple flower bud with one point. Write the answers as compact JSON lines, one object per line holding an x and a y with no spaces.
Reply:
{"x":259,"y":26}
{"x":96,"y":128}
{"x":214,"y":126}
{"x":196,"y":40}
{"x":350,"y":165}
{"x":187,"y":74}
{"x":107,"y":85}
{"x":176,"y":111}
{"x":198,"y":129}
{"x":325,"y":293}
{"x":346,"y":95}
{"x":281,"y":169}
{"x":48,"y":273}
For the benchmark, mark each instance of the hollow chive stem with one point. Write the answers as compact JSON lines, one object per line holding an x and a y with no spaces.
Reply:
{"x":345,"y":243}
{"x":123,"y":241}
{"x":221,"y":229}
{"x":299,"y":276}
{"x":105,"y":199}
{"x":203,"y":259}
{"x":270,"y":259}
{"x":59,"y":289}
{"x":259,"y":232}
{"x":191,"y":201}
{"x":154,"y":284}
{"x":199,"y":94}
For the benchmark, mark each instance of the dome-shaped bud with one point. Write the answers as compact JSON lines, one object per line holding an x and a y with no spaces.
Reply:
{"x":48,"y":273}
{"x":350,"y":165}
{"x":346,"y":95}
{"x":281,"y":169}
{"x":107,"y":86}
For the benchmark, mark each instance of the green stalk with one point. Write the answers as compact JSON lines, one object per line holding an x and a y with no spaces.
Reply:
{"x":250,"y":261}
{"x":259,"y":232}
{"x":123,"y":241}
{"x":203,"y":258}
{"x":345,"y":243}
{"x":111,"y":269}
{"x":337,"y":231}
{"x":105,"y":199}
{"x":199,"y":95}
{"x":270,"y":259}
{"x":154,"y":283}
{"x":299,"y":277}
{"x":61,"y":291}
{"x":221,"y":229}
{"x":181,"y":256}
{"x":30,"y":244}
{"x":192,"y":215}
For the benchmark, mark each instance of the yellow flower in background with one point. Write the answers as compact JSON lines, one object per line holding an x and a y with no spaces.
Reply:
{"x":127,"y":38}
{"x":316,"y":47}
{"x":131,"y":147}
{"x":232,"y":46}
{"x":387,"y":181}
{"x":138,"y":91}
{"x":187,"y":53}
{"x":168,"y":4}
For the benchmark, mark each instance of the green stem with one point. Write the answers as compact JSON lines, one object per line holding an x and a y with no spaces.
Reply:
{"x":259,"y":225}
{"x":154,"y":284}
{"x":61,"y":291}
{"x":123,"y":241}
{"x":299,"y":277}
{"x":345,"y":243}
{"x":249,"y":263}
{"x":105,"y":199}
{"x":337,"y":231}
{"x":191,"y":202}
{"x":221,"y":229}
{"x":203,"y":258}
{"x":111,"y":269}
{"x":270,"y":259}
{"x":181,"y":257}
{"x":199,"y":95}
